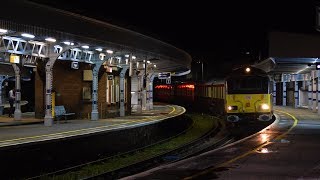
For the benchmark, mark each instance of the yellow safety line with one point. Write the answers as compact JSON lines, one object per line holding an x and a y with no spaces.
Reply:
{"x":294,"y":125}
{"x":247,"y":153}
{"x":173,"y":109}
{"x":78,"y":130}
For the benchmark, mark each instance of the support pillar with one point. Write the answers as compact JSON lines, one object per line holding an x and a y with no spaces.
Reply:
{"x":296,"y":94}
{"x":2,"y":79}
{"x":94,"y":112}
{"x":139,"y":107}
{"x":318,"y":91}
{"x":53,"y":54}
{"x":143,"y":92}
{"x":150,"y":91}
{"x":274,"y":93}
{"x":284,"y":99}
{"x":309,"y":94}
{"x":314,"y":92}
{"x":17,"y":111}
{"x":122,"y":77}
{"x":48,"y":119}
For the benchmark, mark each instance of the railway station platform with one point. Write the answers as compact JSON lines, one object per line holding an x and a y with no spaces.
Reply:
{"x":287,"y":149}
{"x":301,"y":113}
{"x":30,"y":130}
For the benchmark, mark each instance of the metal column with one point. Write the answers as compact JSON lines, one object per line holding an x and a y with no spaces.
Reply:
{"x":122,"y":76}
{"x":284,"y":100}
{"x":314,"y":92}
{"x":274,"y":93}
{"x":309,"y":94}
{"x":318,"y":91}
{"x":296,"y":94}
{"x":48,"y":119}
{"x":139,"y":107}
{"x":2,"y":79}
{"x":94,"y":112}
{"x":17,"y":111}
{"x":143,"y":92}
{"x":150,"y":91}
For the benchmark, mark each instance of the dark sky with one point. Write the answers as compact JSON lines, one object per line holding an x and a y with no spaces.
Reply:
{"x":210,"y":31}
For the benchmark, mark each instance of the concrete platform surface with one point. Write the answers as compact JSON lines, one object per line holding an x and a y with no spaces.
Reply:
{"x":30,"y":130}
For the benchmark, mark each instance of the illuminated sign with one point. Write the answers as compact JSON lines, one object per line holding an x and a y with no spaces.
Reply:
{"x":74,"y":65}
{"x":164,"y":75}
{"x":14,"y":59}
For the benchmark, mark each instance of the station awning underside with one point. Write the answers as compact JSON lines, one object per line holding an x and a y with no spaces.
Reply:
{"x":43,"y":21}
{"x":291,"y":53}
{"x":8,"y":71}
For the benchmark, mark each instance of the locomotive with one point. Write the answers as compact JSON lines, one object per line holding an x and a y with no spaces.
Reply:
{"x":242,"y":96}
{"x":248,"y":95}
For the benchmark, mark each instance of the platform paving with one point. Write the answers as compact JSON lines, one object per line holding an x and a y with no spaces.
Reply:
{"x":29,"y":129}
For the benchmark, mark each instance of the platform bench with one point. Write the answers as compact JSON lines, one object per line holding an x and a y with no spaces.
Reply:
{"x":60,"y":111}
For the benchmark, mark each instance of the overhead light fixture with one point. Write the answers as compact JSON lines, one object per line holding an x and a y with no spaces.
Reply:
{"x":133,"y":57}
{"x":3,"y":31}
{"x":99,"y":49}
{"x":248,"y":69}
{"x":50,"y":39}
{"x":85,"y":47}
{"x":27,"y":35}
{"x":127,"y":55}
{"x":109,"y":51}
{"x":317,"y":65}
{"x":68,"y":43}
{"x":148,"y":62}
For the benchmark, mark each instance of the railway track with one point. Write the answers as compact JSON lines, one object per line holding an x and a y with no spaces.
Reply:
{"x":213,"y":136}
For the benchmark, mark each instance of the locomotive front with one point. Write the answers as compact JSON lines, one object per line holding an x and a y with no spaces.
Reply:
{"x":248,"y":95}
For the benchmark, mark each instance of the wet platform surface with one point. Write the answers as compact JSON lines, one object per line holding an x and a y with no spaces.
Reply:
{"x":287,"y":149}
{"x":29,"y":129}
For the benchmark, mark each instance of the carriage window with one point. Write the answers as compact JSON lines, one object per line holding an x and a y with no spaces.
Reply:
{"x":247,"y":85}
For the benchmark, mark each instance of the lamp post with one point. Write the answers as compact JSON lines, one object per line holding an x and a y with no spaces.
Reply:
{"x":201,"y":69}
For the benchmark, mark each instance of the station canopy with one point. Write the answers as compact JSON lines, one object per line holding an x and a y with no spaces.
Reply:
{"x":291,"y":53}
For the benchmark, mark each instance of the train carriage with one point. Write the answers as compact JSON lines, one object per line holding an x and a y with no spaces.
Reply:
{"x":242,"y":96}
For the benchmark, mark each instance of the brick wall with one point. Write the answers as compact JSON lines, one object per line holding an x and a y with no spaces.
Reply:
{"x":39,"y":79}
{"x":68,"y":84}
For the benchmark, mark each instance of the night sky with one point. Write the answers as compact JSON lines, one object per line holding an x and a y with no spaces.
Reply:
{"x":225,"y":33}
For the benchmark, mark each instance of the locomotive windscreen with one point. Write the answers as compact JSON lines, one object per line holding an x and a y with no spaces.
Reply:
{"x":248,"y":85}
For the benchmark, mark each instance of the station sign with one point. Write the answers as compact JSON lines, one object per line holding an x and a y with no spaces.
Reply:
{"x":15,"y":59}
{"x":164,"y":75}
{"x":74,"y":65}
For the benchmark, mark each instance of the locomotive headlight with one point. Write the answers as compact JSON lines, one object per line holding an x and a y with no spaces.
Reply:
{"x":232,"y":108}
{"x":265,"y":106}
